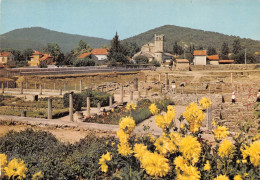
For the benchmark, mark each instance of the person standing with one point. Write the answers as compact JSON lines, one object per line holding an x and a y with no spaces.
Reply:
{"x":258,"y":96}
{"x":173,"y":87}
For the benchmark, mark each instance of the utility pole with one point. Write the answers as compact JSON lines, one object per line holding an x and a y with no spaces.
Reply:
{"x":245,"y":55}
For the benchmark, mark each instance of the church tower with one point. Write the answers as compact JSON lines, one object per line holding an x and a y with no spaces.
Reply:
{"x":159,"y":43}
{"x":159,"y":47}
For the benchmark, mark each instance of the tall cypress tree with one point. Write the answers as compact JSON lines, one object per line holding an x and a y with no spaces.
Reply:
{"x":224,"y":50}
{"x":117,"y":51}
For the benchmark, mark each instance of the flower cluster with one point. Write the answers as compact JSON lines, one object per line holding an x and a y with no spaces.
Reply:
{"x":205,"y":103}
{"x":153,"y":108}
{"x":127,"y":125}
{"x":164,"y":121}
{"x":102,"y":161}
{"x":221,"y":132}
{"x":253,"y":152}
{"x":194,"y":115}
{"x":130,"y":106}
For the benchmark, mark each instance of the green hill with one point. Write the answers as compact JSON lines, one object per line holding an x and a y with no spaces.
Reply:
{"x":187,"y":36}
{"x":37,"y":38}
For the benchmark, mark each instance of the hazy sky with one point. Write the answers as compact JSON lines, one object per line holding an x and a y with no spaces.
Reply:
{"x":102,"y":18}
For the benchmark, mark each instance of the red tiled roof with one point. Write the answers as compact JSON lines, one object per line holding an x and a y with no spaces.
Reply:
{"x":5,"y":54}
{"x":84,"y":55}
{"x":45,"y":56}
{"x":213,"y":57}
{"x":1,"y":65}
{"x":199,"y":53}
{"x":226,"y":61}
{"x":182,"y":60}
{"x":99,"y":51}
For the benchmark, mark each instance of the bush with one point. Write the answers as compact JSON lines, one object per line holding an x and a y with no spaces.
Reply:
{"x":84,"y":62}
{"x":141,"y":59}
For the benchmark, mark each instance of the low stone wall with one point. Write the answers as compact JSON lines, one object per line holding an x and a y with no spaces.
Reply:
{"x":225,"y":67}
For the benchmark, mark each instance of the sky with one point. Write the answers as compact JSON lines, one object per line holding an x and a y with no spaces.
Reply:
{"x":102,"y":18}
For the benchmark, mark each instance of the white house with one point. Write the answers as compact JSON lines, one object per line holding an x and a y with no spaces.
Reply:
{"x":200,"y":57}
{"x":99,"y":54}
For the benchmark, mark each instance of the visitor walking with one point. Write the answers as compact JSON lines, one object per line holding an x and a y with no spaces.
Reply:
{"x":233,"y":97}
{"x":258,"y":96}
{"x":173,"y":87}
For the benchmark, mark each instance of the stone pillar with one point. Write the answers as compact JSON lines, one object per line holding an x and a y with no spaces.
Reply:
{"x":146,"y":92}
{"x":121,"y":95}
{"x":3,"y":88}
{"x":110,"y":101}
{"x":49,"y":108}
{"x":35,"y":85}
{"x":166,"y":81}
{"x":98,"y":107}
{"x":80,"y":85}
{"x":40,"y":89}
{"x":23,"y":113}
{"x":131,"y":96}
{"x":231,"y":75}
{"x":88,"y":106}
{"x":21,"y":88}
{"x":182,"y":89}
{"x":196,"y":90}
{"x":138,"y":94}
{"x":159,"y":78}
{"x":71,"y":107}
{"x":60,"y":91}
{"x":161,"y":89}
{"x":136,"y":84}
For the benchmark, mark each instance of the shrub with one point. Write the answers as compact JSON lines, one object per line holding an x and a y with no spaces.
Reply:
{"x":84,"y":62}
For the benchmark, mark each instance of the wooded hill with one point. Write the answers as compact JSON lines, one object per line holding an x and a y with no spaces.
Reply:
{"x":188,"y":36}
{"x":37,"y":37}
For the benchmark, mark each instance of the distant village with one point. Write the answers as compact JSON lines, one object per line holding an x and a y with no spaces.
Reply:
{"x":153,"y":52}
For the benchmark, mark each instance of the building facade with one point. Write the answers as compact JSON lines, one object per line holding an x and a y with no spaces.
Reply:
{"x":7,"y":58}
{"x":200,"y":57}
{"x":38,"y":58}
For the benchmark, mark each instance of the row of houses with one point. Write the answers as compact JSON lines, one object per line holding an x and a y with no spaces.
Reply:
{"x":201,"y":58}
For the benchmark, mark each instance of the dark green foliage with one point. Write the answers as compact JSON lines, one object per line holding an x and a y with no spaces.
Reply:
{"x":177,"y":49}
{"x":37,"y":38}
{"x":79,"y":99}
{"x":141,"y":59}
{"x":224,"y":51}
{"x":131,"y":48}
{"x":84,"y":62}
{"x":41,"y":151}
{"x":68,"y":59}
{"x":240,"y":58}
{"x":236,"y":46}
{"x":81,"y":48}
{"x":191,"y":37}
{"x":54,"y":50}
{"x":211,"y":50}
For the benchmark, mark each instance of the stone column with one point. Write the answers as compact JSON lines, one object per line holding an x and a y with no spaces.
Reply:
{"x":131,"y":96}
{"x":80,"y":85}
{"x":110,"y":101}
{"x":136,"y":84}
{"x":121,"y":94}
{"x":71,"y":107}
{"x":182,"y":89}
{"x":40,"y":89}
{"x":88,"y":106}
{"x":166,"y":81}
{"x":35,"y":85}
{"x":3,"y":88}
{"x":23,"y":113}
{"x":49,"y":108}
{"x":21,"y":88}
{"x":159,"y":78}
{"x":138,"y":94}
{"x":60,"y":91}
{"x":98,"y":107}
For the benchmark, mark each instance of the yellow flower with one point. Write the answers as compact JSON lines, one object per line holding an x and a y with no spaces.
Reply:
{"x":153,"y":109}
{"x":221,"y":177}
{"x":124,"y":149}
{"x":37,"y":176}
{"x":3,"y":161}
{"x":207,"y":166}
{"x":140,"y":151}
{"x":175,"y":138}
{"x":190,"y":148}
{"x":128,"y":107}
{"x":238,"y":177}
{"x":188,"y":172}
{"x":164,"y":121}
{"x":16,"y":167}
{"x":108,"y":113}
{"x":122,"y":136}
{"x":205,"y":103}
{"x":164,"y":145}
{"x":213,"y":123}
{"x":181,"y":126}
{"x":225,"y":148}
{"x":170,"y":108}
{"x":112,"y":144}
{"x":159,"y":120}
{"x":194,"y":115}
{"x":179,"y":163}
{"x":254,"y":153}
{"x":221,"y":132}
{"x":112,"y":110}
{"x":102,"y":161}
{"x":244,"y":161}
{"x":151,"y":138}
{"x":238,"y":161}
{"x":127,"y":124}
{"x":246,"y":175}
{"x":155,"y":164}
{"x":132,"y":105}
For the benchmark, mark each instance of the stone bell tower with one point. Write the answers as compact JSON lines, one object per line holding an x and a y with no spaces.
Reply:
{"x":159,"y":47}
{"x":159,"y":43}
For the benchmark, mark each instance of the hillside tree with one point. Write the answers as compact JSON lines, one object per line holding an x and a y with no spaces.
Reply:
{"x":177,"y":49}
{"x":211,"y":51}
{"x":54,"y":50}
{"x":236,"y":46}
{"x":117,"y":52}
{"x":224,"y":50}
{"x":82,"y":47}
{"x":131,"y":48}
